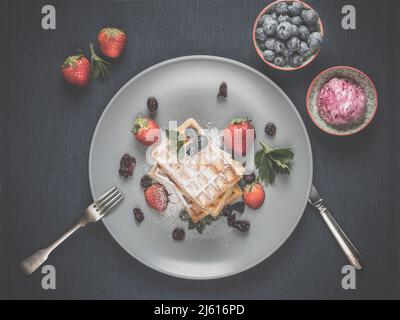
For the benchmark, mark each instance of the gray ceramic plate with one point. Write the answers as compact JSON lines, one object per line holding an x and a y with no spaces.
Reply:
{"x":186,"y":87}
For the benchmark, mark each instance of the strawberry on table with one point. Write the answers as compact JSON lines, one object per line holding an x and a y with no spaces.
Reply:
{"x":76,"y":70}
{"x":157,"y":197}
{"x":112,"y":42}
{"x":238,"y":134}
{"x":254,"y":195}
{"x":146,"y":131}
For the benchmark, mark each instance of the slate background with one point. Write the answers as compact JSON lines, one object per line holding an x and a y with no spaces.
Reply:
{"x":47,"y":125}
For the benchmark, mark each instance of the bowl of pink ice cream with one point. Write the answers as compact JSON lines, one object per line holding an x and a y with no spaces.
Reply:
{"x":342,"y":100}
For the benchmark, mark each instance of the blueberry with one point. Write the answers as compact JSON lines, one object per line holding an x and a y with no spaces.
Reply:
{"x":261,"y":45}
{"x":287,"y":52}
{"x":138,"y":214}
{"x":260,"y":35}
{"x":304,"y":49}
{"x":282,"y":8}
{"x":295,"y":8}
{"x":293,"y":43}
{"x":262,"y":20}
{"x":231,"y":220}
{"x":274,"y":15}
{"x":269,"y":55}
{"x":283,"y":18}
{"x":146,"y":181}
{"x":270,"y":27}
{"x":226,"y":211}
{"x":202,"y":142}
{"x":284,"y":30}
{"x":279,"y":46}
{"x":191,"y":132}
{"x":270,"y":43}
{"x":238,"y":207}
{"x":295,"y":30}
{"x":314,"y":40}
{"x":296,"y":20}
{"x":309,"y":16}
{"x":303,"y":32}
{"x":279,"y":61}
{"x":296,"y":60}
{"x":191,"y":149}
{"x":270,"y":129}
{"x":242,"y":225}
{"x":178,"y":234}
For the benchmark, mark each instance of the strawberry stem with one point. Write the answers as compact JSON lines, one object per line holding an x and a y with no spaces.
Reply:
{"x":99,"y":67}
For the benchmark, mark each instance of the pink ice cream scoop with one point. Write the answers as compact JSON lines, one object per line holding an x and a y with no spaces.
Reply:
{"x":341,"y":102}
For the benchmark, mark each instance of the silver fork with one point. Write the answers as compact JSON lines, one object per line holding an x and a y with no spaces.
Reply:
{"x":92,"y":213}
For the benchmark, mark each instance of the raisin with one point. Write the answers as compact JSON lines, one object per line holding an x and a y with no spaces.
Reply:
{"x":223,"y":91}
{"x":270,"y":129}
{"x":152,"y":105}
{"x":231,"y":220}
{"x":226,"y":211}
{"x":138,"y":213}
{"x":249,"y":178}
{"x":146,"y":181}
{"x":238,"y":207}
{"x":241,"y":225}
{"x":178,"y":234}
{"x":127,"y":164}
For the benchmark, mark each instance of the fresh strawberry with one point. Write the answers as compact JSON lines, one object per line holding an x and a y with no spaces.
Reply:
{"x":76,"y":70}
{"x":238,"y":134}
{"x":254,"y":195}
{"x":146,"y":131}
{"x":112,"y":42}
{"x":157,"y":197}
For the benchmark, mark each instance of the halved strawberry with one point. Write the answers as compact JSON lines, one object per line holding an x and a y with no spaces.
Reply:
{"x":254,"y":195}
{"x":76,"y":70}
{"x":238,"y":135}
{"x":157,"y":197}
{"x":112,"y":42}
{"x":146,"y":130}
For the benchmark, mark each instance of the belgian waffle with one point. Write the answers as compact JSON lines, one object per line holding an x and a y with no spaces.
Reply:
{"x":195,"y":212}
{"x":204,"y":179}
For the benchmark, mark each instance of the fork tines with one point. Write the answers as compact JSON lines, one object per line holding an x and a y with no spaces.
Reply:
{"x":109,"y":200}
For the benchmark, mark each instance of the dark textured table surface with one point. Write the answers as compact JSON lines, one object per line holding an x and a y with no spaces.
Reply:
{"x":47,"y":126}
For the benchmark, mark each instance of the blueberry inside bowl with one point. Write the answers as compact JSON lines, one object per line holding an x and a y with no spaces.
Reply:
{"x":288,"y":35}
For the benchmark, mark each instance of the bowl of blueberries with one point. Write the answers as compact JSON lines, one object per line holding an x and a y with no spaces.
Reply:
{"x":287,"y":35}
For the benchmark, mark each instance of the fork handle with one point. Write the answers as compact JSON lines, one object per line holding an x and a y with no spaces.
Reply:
{"x":34,"y":261}
{"x":344,"y":242}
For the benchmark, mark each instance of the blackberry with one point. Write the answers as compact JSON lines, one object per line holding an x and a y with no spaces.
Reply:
{"x":223,"y":89}
{"x":231,"y":220}
{"x":242,"y":225}
{"x":146,"y":181}
{"x":226,"y":211}
{"x":249,"y":178}
{"x":152,"y":105}
{"x":238,"y":207}
{"x":270,"y":129}
{"x":178,"y":234}
{"x":138,"y":213}
{"x":127,"y":164}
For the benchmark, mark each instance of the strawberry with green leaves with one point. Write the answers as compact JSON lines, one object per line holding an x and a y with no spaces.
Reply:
{"x":254,"y":195}
{"x":76,"y":70}
{"x":237,"y":136}
{"x":112,"y":42}
{"x":146,"y":131}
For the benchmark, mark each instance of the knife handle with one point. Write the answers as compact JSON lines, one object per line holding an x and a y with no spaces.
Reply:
{"x":344,"y":242}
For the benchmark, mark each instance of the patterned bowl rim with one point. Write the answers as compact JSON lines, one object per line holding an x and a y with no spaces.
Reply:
{"x":344,"y":133}
{"x":321,"y":30}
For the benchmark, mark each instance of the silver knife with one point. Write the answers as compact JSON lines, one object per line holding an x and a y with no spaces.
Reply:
{"x":344,"y":242}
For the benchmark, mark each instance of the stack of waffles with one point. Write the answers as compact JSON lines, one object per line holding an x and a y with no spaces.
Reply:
{"x":204,"y":182}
